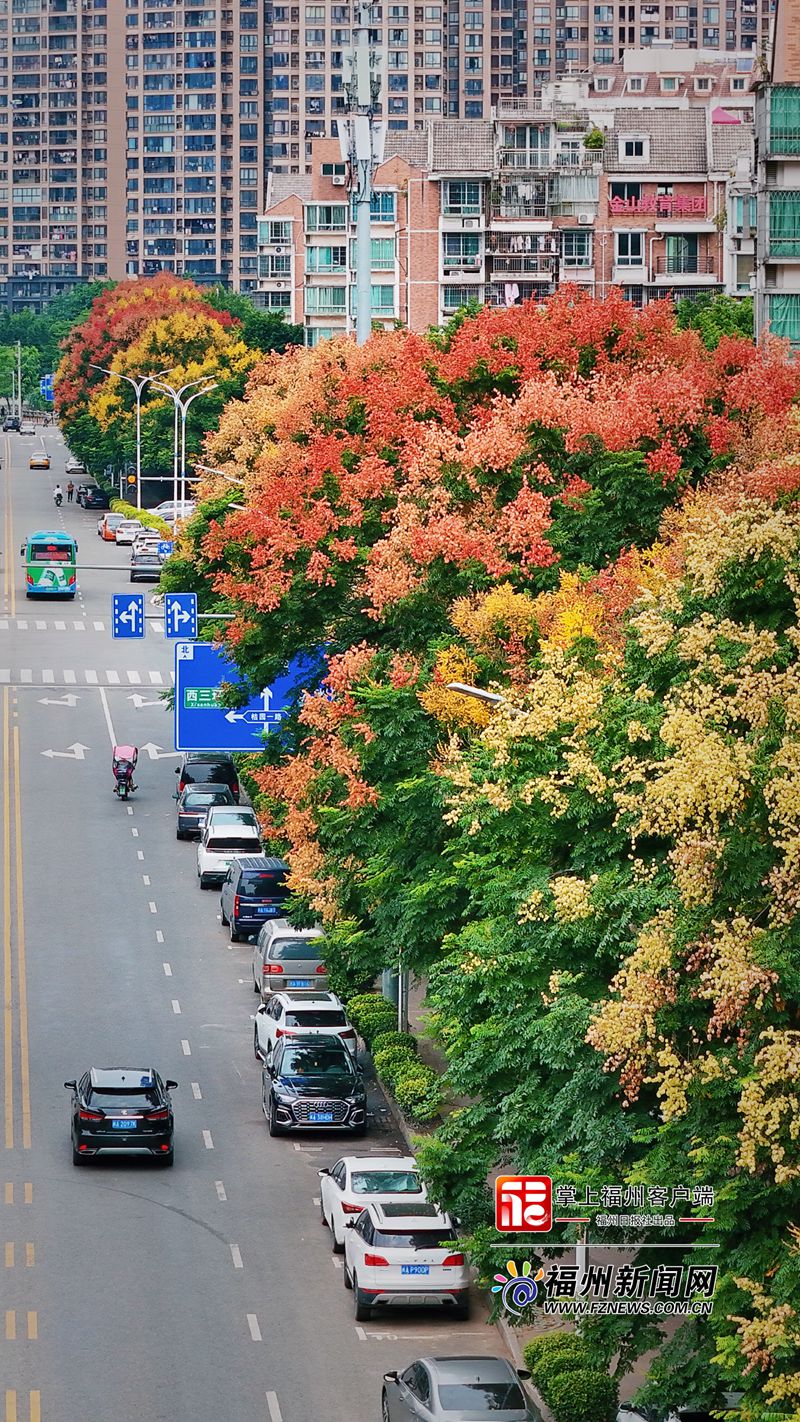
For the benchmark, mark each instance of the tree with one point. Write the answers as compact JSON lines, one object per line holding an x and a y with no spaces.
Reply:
{"x":262,"y":330}
{"x":716,"y":316}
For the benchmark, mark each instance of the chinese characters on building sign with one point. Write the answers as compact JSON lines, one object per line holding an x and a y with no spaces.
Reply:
{"x":662,"y":1290}
{"x":660,"y":206}
{"x":524,"y":1204}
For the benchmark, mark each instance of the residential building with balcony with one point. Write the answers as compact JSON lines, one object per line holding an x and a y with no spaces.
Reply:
{"x":777,"y":282}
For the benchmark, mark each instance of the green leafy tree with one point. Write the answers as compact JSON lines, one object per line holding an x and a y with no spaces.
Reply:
{"x":716,"y":316}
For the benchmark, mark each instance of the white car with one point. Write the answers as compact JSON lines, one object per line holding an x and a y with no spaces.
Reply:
{"x":300,"y":1014}
{"x":146,"y":538}
{"x":399,"y":1253}
{"x":27,"y":428}
{"x":226,"y":817}
{"x":74,"y":466}
{"x":126,"y":531}
{"x":170,"y":511}
{"x":219,"y":848}
{"x":345,"y":1189}
{"x":287,"y":957}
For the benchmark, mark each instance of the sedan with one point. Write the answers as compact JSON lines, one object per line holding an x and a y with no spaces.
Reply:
{"x":145,"y":565}
{"x":126,"y":531}
{"x":27,"y":428}
{"x":300,"y":1014}
{"x":449,"y":1389}
{"x":346,"y":1187}
{"x":404,"y":1253}
{"x":120,"y":1111}
{"x":94,"y":497}
{"x":193,"y":806}
{"x":313,"y":1086}
{"x":74,"y":466}
{"x":40,"y":460}
{"x":107,"y":526}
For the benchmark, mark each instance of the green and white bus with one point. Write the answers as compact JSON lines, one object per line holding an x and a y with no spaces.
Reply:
{"x":50,"y":560}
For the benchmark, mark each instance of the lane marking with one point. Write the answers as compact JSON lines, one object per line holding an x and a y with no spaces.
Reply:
{"x":185,"y":1048}
{"x":30,"y":1256}
{"x":236,"y":1256}
{"x":176,"y":1007}
{"x":91,"y":678}
{"x":79,"y":625}
{"x":207,"y":1140}
{"x":11,"y":1325}
{"x":152,"y":907}
{"x":26,"y":676}
{"x":140,"y":854}
{"x":156,"y":679}
{"x":134,"y":678}
{"x":159,"y":936}
{"x":129,"y":808}
{"x":112,"y":677}
{"x":99,"y":626}
{"x":145,"y":877}
{"x":106,"y":712}
{"x":9,"y":1192}
{"x":255,"y":1331}
{"x":134,"y":832}
{"x":273,"y":1408}
{"x":361,"y":1335}
{"x":35,"y":1405}
{"x":196,"y":1092}
{"x":8,"y":1020}
{"x":48,"y":676}
{"x":69,"y":676}
{"x":167,"y":970}
{"x":33,"y":1324}
{"x":11,"y":1405}
{"x":9,"y":1254}
{"x":28,"y":1193}
{"x":315,"y":1200}
{"x":220,"y":1189}
{"x":22,"y":969}
{"x":40,"y":626}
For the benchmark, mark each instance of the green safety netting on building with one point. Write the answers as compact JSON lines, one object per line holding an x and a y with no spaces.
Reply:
{"x":784,"y":118}
{"x":784,"y":224}
{"x":784,"y":317}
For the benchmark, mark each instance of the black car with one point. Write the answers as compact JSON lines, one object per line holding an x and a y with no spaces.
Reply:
{"x":93,"y":497}
{"x":146,"y":565}
{"x":313,"y":1085}
{"x":120,"y":1111}
{"x":10,"y":423}
{"x":253,"y":890}
{"x":193,"y":805}
{"x":208,"y":767}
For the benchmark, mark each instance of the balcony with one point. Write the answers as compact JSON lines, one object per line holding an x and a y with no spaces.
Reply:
{"x":694,"y":270}
{"x":453,"y":263}
{"x":526,"y":160}
{"x":527,"y":264}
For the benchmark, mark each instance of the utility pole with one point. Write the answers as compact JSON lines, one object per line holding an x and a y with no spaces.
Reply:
{"x":19,"y":379}
{"x":361,"y":141}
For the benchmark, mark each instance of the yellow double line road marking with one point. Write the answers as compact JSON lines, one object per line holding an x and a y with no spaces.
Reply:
{"x":9,"y":558}
{"x":15,"y":980}
{"x":12,"y":1414}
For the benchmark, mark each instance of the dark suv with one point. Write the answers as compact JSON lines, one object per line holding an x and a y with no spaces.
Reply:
{"x":10,"y":423}
{"x":313,"y":1084}
{"x":208,"y":768}
{"x":254,"y":890}
{"x":122,"y":1111}
{"x":93,"y":497}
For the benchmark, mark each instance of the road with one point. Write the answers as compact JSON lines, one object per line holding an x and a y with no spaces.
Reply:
{"x":130,"y":1293}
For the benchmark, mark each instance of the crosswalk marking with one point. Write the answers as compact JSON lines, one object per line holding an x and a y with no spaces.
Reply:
{"x":69,"y":678}
{"x":134,"y":678}
{"x":26,"y":675}
{"x":40,"y":626}
{"x":59,"y":626}
{"x":113,"y":678}
{"x":48,"y":676}
{"x":99,"y":626}
{"x":3,"y":624}
{"x":79,"y":626}
{"x":22,"y":625}
{"x":156,"y":679}
{"x":91,"y":678}
{"x":5,"y":674}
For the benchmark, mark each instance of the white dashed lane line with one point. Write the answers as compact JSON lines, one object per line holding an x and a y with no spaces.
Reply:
{"x":255,"y":1331}
{"x":236,"y":1256}
{"x":176,"y":1007}
{"x":275,"y":1414}
{"x":220,"y":1189}
{"x":153,"y":908}
{"x":208,"y":1140}
{"x":196,"y":1092}
{"x":185,"y":1048}
{"x":167,"y":970}
{"x":159,"y":936}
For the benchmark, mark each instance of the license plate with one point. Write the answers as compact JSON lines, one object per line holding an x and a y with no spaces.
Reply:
{"x":124,"y":1125}
{"x":320,"y":1117}
{"x":299,"y":982}
{"x":266,"y":908}
{"x":415,"y":1269}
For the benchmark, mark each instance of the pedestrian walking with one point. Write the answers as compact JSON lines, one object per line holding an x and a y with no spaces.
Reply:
{"x":70,"y":491}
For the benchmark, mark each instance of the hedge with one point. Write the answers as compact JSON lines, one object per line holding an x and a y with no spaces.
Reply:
{"x":584,"y":1396}
{"x":550,"y":1345}
{"x":394,"y":1039}
{"x":147,"y":519}
{"x":371,"y":1015}
{"x":419,"y":1093}
{"x":394,"y":1063}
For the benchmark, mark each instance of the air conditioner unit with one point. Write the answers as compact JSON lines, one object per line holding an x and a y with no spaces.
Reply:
{"x":338,"y":180}
{"x":470,"y":222}
{"x":280,"y":283}
{"x":585,"y":219}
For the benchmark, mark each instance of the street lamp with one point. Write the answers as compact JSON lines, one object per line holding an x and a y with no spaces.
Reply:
{"x":184,"y":409}
{"x":229,"y":479}
{"x":477,"y":692}
{"x":138,"y":384}
{"x":181,"y":407}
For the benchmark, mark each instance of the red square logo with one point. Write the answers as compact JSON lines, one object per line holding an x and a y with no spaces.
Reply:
{"x":523,"y":1203}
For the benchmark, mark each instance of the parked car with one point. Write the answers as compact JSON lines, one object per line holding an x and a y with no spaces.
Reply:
{"x":227,"y":815}
{"x":126,"y":531}
{"x":300,"y":1014}
{"x":26,"y":428}
{"x":448,"y":1389}
{"x":313,"y":1086}
{"x":217,"y":850}
{"x":208,"y":767}
{"x":170,"y":511}
{"x":399,"y":1253}
{"x":10,"y":423}
{"x":194,"y":804}
{"x":146,"y":566}
{"x":74,"y":466}
{"x":93,"y":497}
{"x":39,"y":460}
{"x":254,"y":889}
{"x":346,"y":1187}
{"x":286,"y":957}
{"x":120,"y":1112}
{"x":107,"y":526}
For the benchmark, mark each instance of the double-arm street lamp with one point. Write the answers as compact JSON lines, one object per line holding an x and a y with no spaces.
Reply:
{"x":181,"y":407}
{"x":138,"y":383}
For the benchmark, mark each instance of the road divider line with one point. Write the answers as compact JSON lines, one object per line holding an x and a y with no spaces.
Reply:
{"x":176,"y":1007}
{"x":33,"y":1324}
{"x":11,"y":1325}
{"x":140,"y":854}
{"x":28,"y":1192}
{"x":145,"y":877}
{"x":220,"y":1189}
{"x":8,"y":1009}
{"x":159,"y":936}
{"x":30,"y":1256}
{"x":35,"y":1405}
{"x":107,"y":714}
{"x":11,"y":1405}
{"x":196,"y":1092}
{"x":167,"y":970}
{"x":152,"y":907}
{"x":273,"y":1407}
{"x":9,"y":1254}
{"x":208,"y":1141}
{"x":22,"y":967}
{"x":8,"y":1192}
{"x":236,"y":1256}
{"x":255,"y":1331}
{"x":134,"y":832}
{"x":185,"y":1048}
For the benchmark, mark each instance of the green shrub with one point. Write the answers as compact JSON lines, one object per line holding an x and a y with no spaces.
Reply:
{"x":393,"y":1062}
{"x":147,"y":519}
{"x":394,"y":1039}
{"x":371,"y":1014}
{"x":548,"y":1345}
{"x":584,"y":1396}
{"x":557,"y":1364}
{"x":419,"y":1092}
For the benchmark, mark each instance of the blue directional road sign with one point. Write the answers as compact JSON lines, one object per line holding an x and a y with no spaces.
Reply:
{"x":165,"y":547}
{"x":180,"y":615}
{"x":127,"y":615}
{"x":201,"y":723}
{"x":46,"y":387}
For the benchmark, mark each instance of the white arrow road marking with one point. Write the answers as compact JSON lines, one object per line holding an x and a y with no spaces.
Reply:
{"x":74,"y":752}
{"x":69,"y":700}
{"x":156,"y":753}
{"x":139,"y":701}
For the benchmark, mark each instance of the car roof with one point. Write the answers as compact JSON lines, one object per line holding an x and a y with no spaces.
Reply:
{"x":323,"y":1040}
{"x":284,"y":929}
{"x":469,"y":1369}
{"x":420,"y":1216}
{"x":122,"y":1078}
{"x":233,"y":809}
{"x":261,"y":862}
{"x":307,"y":999}
{"x":198,"y":787}
{"x":368,"y":1163}
{"x":213,"y":757}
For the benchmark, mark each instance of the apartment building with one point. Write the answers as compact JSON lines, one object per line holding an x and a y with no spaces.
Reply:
{"x":465,"y":58}
{"x":778,"y":182}
{"x":500,"y":211}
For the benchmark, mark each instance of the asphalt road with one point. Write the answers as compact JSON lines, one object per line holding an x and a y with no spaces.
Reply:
{"x":206,"y":1292}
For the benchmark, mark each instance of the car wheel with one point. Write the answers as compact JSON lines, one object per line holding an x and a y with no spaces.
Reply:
{"x":323,"y":1218}
{"x":337,"y":1246}
{"x":222,"y":915}
{"x":77,"y":1158}
{"x":256,"y":1047}
{"x":234,"y":936}
{"x":272,"y":1125}
{"x":203,"y":883}
{"x":362,"y":1311}
{"x":385,"y":1408}
{"x":460,"y":1310}
{"x":256,"y":987}
{"x":179,"y":834}
{"x":346,"y":1280}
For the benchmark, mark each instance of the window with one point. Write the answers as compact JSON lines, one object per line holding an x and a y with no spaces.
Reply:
{"x":635,"y":84}
{"x":669,"y":84}
{"x":737,"y":86}
{"x":576,"y":249}
{"x":602,"y":85}
{"x":625,"y":192}
{"x":461,"y":251}
{"x":326,"y":217}
{"x":325,"y":300}
{"x":383,"y":254}
{"x":633,"y":148}
{"x":629,"y":249}
{"x":324,"y":261}
{"x":461,"y":199}
{"x":784,"y":231}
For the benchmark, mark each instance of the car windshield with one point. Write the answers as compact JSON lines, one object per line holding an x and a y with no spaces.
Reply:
{"x":385,"y":1182}
{"x":229,"y":846}
{"x":416,"y":1238}
{"x":293,"y":949}
{"x":204,"y":797}
{"x":121,"y":1100}
{"x":313,"y":1017}
{"x":264,"y":882}
{"x":310,"y":1061}
{"x":481,"y":1397}
{"x":236,"y":817}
